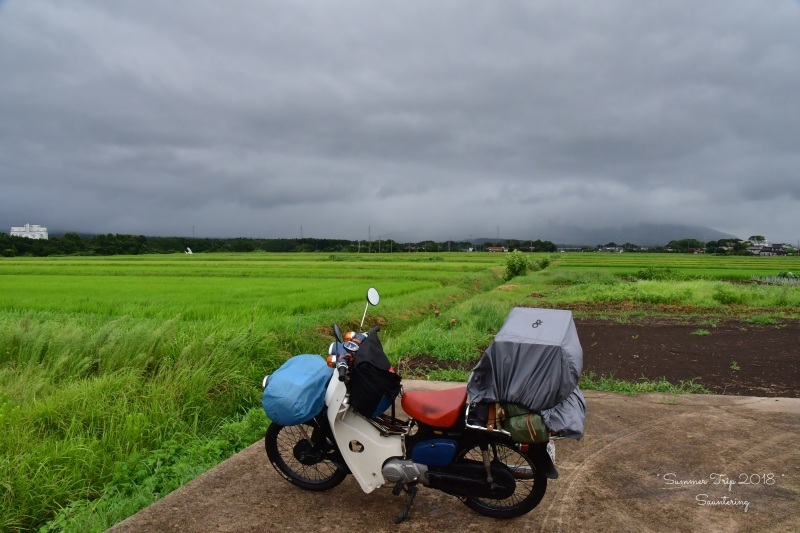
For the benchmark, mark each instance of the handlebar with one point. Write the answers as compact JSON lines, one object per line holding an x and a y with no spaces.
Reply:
{"x":340,"y":354}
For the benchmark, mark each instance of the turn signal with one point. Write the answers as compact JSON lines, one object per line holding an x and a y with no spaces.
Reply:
{"x":331,"y":361}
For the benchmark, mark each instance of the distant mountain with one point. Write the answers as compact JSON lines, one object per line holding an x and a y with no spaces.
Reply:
{"x":641,"y":234}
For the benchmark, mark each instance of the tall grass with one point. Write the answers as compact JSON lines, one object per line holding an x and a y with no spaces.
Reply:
{"x":459,"y":335}
{"x":79,"y":397}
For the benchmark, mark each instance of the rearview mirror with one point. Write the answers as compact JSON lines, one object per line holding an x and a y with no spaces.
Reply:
{"x":372,"y":296}
{"x":372,"y":299}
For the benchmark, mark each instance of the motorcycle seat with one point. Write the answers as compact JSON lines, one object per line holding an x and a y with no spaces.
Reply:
{"x":437,"y":408}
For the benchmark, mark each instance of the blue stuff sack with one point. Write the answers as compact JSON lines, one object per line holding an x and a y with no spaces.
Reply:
{"x":295,"y":393}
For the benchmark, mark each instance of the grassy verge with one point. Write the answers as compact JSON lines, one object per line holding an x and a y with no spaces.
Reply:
{"x":143,"y":478}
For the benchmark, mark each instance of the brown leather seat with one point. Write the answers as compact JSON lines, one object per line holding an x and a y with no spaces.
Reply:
{"x":440,"y":408}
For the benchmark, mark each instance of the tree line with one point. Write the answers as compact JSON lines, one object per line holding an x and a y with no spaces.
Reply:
{"x":122,"y":244}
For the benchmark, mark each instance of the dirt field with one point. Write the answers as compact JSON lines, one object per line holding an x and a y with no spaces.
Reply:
{"x":731,"y":357}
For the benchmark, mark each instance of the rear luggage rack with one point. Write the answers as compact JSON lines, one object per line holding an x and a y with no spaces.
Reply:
{"x":490,"y":422}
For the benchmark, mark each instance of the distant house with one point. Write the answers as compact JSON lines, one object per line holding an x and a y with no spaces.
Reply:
{"x":766,"y":251}
{"x":781,"y":249}
{"x":29,"y":231}
{"x":496,"y":249}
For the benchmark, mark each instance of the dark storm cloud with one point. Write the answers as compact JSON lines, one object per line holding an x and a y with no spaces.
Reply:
{"x":422,"y":120}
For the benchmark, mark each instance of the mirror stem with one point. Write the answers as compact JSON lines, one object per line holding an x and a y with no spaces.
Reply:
{"x":361,"y":327}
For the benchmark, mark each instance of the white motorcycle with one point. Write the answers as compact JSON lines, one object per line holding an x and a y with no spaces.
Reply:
{"x":445,"y":444}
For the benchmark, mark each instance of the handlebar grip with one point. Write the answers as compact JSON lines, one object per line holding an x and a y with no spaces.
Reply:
{"x":342,"y":372}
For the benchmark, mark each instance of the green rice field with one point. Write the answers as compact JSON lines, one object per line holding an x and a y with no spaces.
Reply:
{"x":123,"y":377}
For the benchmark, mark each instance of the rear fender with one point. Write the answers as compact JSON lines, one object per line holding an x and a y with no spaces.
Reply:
{"x":541,"y":459}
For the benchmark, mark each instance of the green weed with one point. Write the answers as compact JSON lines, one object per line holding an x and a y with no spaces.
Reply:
{"x":761,"y":320}
{"x":517,"y":264}
{"x":443,"y":374}
{"x":589,"y":381}
{"x":660,"y":274}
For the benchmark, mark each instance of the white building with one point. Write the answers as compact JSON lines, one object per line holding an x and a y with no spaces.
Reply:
{"x":31,"y":231}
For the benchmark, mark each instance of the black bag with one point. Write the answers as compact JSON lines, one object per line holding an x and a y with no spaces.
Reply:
{"x":372,"y":390}
{"x":373,"y":387}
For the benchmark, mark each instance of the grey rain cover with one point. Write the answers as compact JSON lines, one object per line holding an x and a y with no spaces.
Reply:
{"x":535,"y":361}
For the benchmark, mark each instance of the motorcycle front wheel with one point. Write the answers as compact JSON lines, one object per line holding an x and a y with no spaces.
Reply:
{"x":529,"y":488}
{"x":302,"y":455}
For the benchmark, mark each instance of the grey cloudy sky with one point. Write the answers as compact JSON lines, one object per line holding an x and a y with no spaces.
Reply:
{"x":416,"y":119}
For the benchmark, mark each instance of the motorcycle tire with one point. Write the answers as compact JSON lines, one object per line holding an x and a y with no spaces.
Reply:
{"x":529,"y":489}
{"x":299,"y":460}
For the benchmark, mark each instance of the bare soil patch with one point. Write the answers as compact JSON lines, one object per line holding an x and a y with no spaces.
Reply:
{"x":734,"y":357}
{"x":726,"y":357}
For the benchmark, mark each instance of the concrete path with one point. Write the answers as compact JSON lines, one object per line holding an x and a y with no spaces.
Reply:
{"x":648,"y":463}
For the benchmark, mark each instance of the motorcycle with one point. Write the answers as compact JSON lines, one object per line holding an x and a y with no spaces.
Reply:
{"x":443,"y":444}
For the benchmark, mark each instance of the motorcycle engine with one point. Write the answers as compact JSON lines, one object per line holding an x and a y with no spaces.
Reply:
{"x":404,"y":471}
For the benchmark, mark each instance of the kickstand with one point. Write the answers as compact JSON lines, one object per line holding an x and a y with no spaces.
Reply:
{"x":411,"y":490}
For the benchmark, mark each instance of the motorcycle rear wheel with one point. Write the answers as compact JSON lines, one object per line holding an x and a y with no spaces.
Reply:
{"x":529,"y":489}
{"x":301,"y":455}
